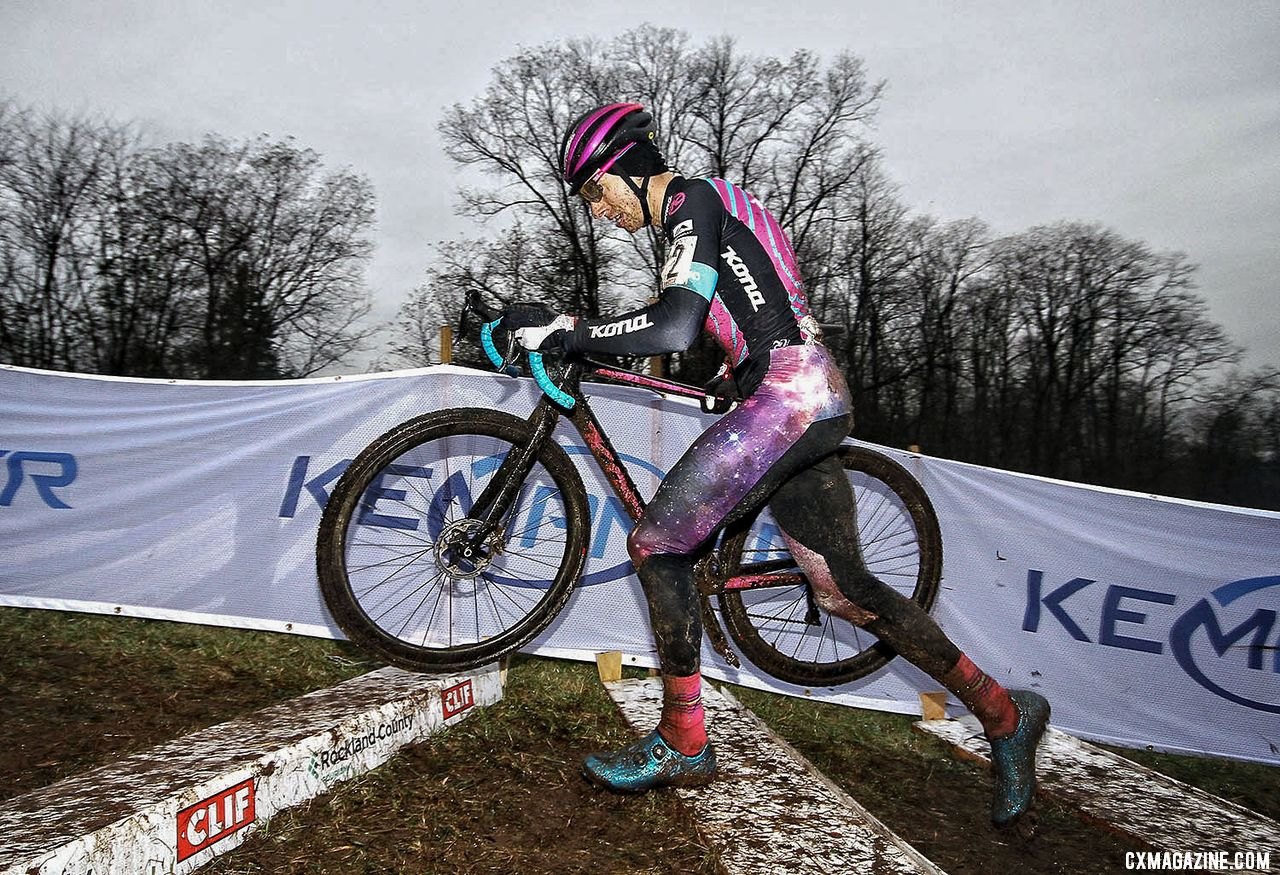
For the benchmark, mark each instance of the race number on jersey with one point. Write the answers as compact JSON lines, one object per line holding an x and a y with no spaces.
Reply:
{"x":679,"y":264}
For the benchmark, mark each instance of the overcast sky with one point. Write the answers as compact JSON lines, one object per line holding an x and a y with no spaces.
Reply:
{"x":1157,"y":118}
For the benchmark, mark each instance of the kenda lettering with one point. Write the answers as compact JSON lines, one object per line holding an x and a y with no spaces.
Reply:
{"x":748,"y":282}
{"x":623,"y":326}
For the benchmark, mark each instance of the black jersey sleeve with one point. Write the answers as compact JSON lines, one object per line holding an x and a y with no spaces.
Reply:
{"x":693,"y":224}
{"x":670,"y":324}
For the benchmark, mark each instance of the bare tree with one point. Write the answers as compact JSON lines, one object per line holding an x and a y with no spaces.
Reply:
{"x":51,"y":189}
{"x":279,"y":249}
{"x":1111,"y":340}
{"x":513,"y":267}
{"x":791,"y":129}
{"x":1233,"y":442}
{"x":946,"y":264}
{"x":210,"y":260}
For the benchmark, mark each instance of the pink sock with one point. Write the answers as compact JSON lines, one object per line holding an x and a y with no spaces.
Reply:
{"x":683,"y":720}
{"x":983,"y":696}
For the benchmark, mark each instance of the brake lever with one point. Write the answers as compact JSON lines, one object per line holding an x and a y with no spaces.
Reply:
{"x":464,"y":318}
{"x":513,"y":355}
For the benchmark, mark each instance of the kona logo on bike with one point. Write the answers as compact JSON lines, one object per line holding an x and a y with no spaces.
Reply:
{"x":1224,"y":642}
{"x":624,"y":326}
{"x":47,"y":472}
{"x":739,"y":268}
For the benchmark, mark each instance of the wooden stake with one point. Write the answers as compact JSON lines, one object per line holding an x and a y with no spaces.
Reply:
{"x":933,"y":705}
{"x":609,"y":666}
{"x":446,"y":344}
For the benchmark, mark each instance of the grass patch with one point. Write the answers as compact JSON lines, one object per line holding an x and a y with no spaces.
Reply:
{"x":78,"y":690}
{"x":941,"y":805}
{"x":498,"y":793}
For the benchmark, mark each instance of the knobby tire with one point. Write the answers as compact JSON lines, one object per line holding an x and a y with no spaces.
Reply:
{"x":766,"y":650}
{"x":364,"y":484}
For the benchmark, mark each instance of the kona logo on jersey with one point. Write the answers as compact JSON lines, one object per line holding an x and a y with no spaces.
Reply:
{"x":744,"y":276}
{"x":623,"y":326}
{"x":685,"y":227}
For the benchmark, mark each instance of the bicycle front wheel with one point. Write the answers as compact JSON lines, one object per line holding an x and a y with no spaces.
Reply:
{"x":410,"y":576}
{"x":780,"y":627}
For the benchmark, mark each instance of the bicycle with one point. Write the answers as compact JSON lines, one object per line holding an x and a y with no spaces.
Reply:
{"x":439,"y":548}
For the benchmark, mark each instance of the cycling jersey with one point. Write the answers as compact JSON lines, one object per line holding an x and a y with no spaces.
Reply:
{"x":730,"y":270}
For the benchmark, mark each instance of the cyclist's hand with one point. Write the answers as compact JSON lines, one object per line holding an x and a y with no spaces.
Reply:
{"x":537,"y":327}
{"x":721,"y":393}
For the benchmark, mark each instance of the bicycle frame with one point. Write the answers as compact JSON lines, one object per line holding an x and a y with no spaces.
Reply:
{"x":502,"y":489}
{"x":396,"y":594}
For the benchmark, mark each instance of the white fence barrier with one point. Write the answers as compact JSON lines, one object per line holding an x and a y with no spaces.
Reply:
{"x":1146,"y":621}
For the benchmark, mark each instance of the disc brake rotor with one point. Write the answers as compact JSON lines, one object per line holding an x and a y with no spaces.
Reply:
{"x":461,"y":551}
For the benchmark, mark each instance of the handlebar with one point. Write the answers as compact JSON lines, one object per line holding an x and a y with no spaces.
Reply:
{"x":536,"y":366}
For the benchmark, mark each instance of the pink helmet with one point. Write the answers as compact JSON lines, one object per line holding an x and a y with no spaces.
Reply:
{"x":595,"y":142}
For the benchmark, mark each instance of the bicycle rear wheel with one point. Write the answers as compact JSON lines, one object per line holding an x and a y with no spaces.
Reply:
{"x":781,"y":629}
{"x":401,"y":567}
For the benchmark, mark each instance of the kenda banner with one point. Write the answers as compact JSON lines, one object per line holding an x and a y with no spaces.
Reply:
{"x":1146,"y":621}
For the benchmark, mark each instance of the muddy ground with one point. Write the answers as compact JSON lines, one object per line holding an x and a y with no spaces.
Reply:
{"x":500,"y":792}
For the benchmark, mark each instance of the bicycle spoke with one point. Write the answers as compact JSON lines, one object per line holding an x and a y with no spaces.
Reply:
{"x":780,"y":633}
{"x":415,"y":577}
{"x":401,"y":569}
{"x":425,"y":588}
{"x":355,"y":569}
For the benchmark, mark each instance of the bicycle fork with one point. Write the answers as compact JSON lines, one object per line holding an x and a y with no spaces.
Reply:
{"x":490,"y":507}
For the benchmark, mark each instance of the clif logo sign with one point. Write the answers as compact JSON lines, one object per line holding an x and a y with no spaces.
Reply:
{"x":214,"y":819}
{"x":457,"y":699}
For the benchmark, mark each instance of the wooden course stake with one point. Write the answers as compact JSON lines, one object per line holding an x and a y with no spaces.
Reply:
{"x":609,"y":666}
{"x":933,"y":705}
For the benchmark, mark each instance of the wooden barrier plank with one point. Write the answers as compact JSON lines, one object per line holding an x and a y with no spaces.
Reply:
{"x":176,"y":806}
{"x":1163,"y":813}
{"x":769,"y":810}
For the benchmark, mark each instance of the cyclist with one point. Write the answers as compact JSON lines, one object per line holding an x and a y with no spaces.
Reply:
{"x":730,"y":269}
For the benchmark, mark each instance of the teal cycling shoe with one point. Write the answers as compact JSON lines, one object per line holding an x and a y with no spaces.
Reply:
{"x":1013,"y":758}
{"x":649,"y":763}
